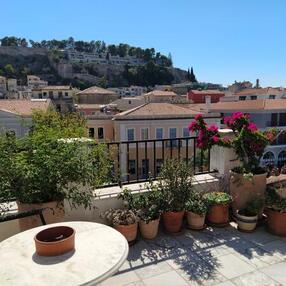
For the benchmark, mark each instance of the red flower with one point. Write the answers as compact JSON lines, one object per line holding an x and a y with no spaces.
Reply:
{"x":199,"y":116}
{"x":252,"y":126}
{"x":215,"y":138}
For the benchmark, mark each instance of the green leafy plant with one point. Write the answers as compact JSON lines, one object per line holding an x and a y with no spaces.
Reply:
{"x":214,"y":198}
{"x":120,"y":216}
{"x":197,"y":204}
{"x":253,"y":208}
{"x":47,"y":166}
{"x":174,"y":185}
{"x":146,"y":205}
{"x":275,"y":198}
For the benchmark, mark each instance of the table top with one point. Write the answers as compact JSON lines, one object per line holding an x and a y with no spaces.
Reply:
{"x":99,"y":252}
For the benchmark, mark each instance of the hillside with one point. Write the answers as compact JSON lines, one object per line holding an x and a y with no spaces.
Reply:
{"x":53,"y":65}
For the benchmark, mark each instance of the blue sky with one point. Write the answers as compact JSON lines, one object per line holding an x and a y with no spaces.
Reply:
{"x":224,"y":40}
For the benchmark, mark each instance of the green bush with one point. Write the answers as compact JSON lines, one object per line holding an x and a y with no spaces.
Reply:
{"x":214,"y":198}
{"x":48,"y":165}
{"x":197,"y":204}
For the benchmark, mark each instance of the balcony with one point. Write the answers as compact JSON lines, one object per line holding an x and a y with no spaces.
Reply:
{"x":213,"y":256}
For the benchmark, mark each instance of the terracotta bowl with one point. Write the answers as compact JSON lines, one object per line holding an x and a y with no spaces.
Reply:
{"x":55,"y":241}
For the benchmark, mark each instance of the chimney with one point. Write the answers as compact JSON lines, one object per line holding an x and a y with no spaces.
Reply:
{"x":208,"y":102}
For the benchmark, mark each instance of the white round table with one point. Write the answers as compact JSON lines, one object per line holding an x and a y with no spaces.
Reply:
{"x":99,"y":252}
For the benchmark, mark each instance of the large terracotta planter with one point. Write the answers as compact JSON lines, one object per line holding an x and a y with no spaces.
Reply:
{"x":173,"y":221}
{"x":276,"y":222}
{"x":53,"y":213}
{"x":243,"y":190}
{"x":218,"y":214}
{"x":196,"y":221}
{"x":149,"y":230}
{"x":128,"y":231}
{"x":55,"y":241}
{"x":246,"y":223}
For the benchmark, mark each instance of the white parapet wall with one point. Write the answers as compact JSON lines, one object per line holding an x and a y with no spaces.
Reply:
{"x":104,"y":199}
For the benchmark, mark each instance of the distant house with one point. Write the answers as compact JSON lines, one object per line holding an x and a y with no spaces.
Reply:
{"x":261,"y":93}
{"x":35,"y":82}
{"x":200,"y":96}
{"x":96,"y":95}
{"x":61,"y":96}
{"x":16,"y":115}
{"x":157,"y":96}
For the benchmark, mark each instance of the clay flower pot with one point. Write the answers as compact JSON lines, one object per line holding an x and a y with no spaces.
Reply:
{"x":276,"y":222}
{"x":173,"y":221}
{"x":128,"y":231}
{"x":195,"y":221}
{"x":149,"y":230}
{"x":243,"y":190}
{"x":218,"y":214}
{"x":55,"y":241}
{"x":246,"y":223}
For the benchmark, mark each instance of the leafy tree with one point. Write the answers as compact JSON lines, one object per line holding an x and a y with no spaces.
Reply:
{"x":9,"y":70}
{"x":47,"y":165}
{"x":191,"y":76}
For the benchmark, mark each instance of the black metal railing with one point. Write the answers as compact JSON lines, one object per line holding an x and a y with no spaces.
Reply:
{"x":140,"y":160}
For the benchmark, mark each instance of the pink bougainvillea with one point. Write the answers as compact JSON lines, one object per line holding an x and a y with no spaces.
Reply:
{"x":247,"y":141}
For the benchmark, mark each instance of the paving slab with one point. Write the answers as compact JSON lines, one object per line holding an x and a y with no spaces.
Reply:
{"x":277,"y":272}
{"x":171,"y":278}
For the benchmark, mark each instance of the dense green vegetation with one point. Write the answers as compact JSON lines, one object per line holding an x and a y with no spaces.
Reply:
{"x":121,"y":50}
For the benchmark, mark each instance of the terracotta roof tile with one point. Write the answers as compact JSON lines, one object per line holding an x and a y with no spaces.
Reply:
{"x":161,"y":93}
{"x":207,"y":91}
{"x":261,"y":91}
{"x":96,"y":90}
{"x":24,"y":107}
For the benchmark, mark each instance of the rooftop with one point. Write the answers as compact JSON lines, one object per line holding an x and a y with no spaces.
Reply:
{"x":261,"y":91}
{"x":214,"y":256}
{"x":96,"y":90}
{"x":157,"y":110}
{"x":250,"y":105}
{"x":161,"y":93}
{"x":24,"y":107}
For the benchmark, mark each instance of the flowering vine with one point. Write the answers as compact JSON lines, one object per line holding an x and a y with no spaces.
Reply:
{"x":247,"y":141}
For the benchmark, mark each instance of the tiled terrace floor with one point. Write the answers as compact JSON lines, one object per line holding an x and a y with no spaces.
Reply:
{"x":214,"y":256}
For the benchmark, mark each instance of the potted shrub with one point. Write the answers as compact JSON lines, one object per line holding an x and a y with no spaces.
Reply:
{"x":247,"y":217}
{"x":218,"y":211}
{"x":174,"y":187}
{"x":147,"y":208}
{"x":196,"y":208}
{"x":47,"y":167}
{"x":248,"y":180}
{"x":276,"y":210}
{"x":125,"y":221}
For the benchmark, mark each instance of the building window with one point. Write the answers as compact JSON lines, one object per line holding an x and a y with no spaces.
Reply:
{"x":186,"y":132}
{"x":58,"y":107}
{"x":91,"y":132}
{"x":40,"y":95}
{"x":60,"y":94}
{"x":100,"y":133}
{"x":159,"y":133}
{"x":253,"y":97}
{"x":82,"y":113}
{"x":130,"y":135}
{"x":159,"y":163}
{"x":281,"y":159}
{"x":132,"y":168}
{"x":242,"y":98}
{"x":271,"y":96}
{"x":66,"y":94}
{"x":144,"y":134}
{"x":145,"y":168}
{"x":44,"y":94}
{"x":268,"y":159}
{"x":172,"y":135}
{"x":51,"y":94}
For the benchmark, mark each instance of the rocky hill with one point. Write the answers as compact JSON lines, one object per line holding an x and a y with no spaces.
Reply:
{"x":53,"y":65}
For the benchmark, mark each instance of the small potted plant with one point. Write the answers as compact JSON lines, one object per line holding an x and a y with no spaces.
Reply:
{"x":174,"y":186}
{"x":147,"y":208}
{"x":196,"y":211}
{"x":218,"y":211}
{"x":248,"y":143}
{"x":247,"y":217}
{"x":276,"y":210}
{"x":125,"y":221}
